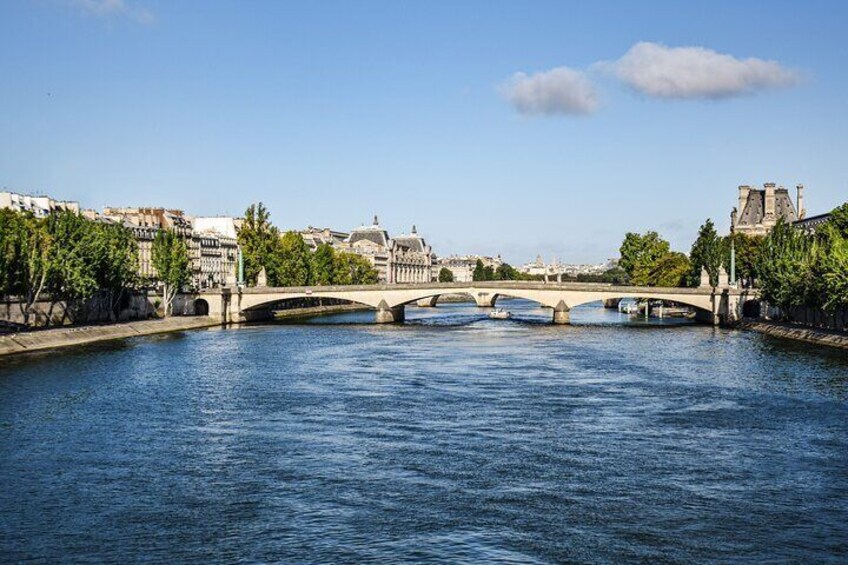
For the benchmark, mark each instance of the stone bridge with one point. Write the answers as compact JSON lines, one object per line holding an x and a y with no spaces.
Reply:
{"x":713,"y":305}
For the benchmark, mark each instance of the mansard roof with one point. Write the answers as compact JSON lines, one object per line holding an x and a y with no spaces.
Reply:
{"x":374,"y":234}
{"x":755,"y":207}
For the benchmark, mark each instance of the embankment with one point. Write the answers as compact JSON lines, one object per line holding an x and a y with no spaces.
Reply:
{"x":799,"y":333}
{"x":65,"y":337}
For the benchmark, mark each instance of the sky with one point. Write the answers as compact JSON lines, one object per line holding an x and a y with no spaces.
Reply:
{"x":512,"y":128}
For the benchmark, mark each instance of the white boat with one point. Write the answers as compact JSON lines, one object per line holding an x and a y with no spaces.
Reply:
{"x":500,"y":314}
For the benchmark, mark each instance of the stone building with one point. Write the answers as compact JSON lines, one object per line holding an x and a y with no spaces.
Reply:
{"x":404,"y":259}
{"x":211,"y":242}
{"x":316,"y":236}
{"x":40,"y":206}
{"x":759,"y":210}
{"x":462,"y":266}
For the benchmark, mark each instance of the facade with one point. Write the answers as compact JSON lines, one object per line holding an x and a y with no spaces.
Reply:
{"x":39,"y":206}
{"x":216,"y":251}
{"x":540,"y":268}
{"x":404,"y":259}
{"x":759,"y":210}
{"x":211,"y":242}
{"x":316,"y":236}
{"x":812,"y":223}
{"x":462,"y":266}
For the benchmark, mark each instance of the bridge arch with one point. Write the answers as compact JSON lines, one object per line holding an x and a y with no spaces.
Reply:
{"x":696,"y":301}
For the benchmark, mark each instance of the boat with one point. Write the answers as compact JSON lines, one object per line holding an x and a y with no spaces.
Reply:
{"x":500,"y":314}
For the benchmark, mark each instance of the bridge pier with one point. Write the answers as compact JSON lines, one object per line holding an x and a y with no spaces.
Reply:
{"x":562,"y":314}
{"x":485,"y":299}
{"x":388,"y":315}
{"x":427,"y":302}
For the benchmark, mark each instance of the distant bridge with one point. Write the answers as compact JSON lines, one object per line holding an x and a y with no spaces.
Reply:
{"x":713,"y":305}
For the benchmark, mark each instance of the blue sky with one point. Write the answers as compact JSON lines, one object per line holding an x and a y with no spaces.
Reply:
{"x":330,"y":112}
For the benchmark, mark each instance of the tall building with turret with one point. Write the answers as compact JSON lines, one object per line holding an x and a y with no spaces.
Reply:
{"x":759,"y":209}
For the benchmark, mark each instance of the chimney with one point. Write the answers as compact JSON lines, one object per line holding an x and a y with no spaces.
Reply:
{"x":744,"y":190}
{"x":802,"y":213}
{"x":769,"y":216}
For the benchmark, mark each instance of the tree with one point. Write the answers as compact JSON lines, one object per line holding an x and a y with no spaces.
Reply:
{"x":260,"y":244}
{"x":639,"y":254}
{"x":506,"y":272}
{"x":784,"y":266}
{"x":706,"y":254}
{"x":72,"y":272}
{"x":445,"y":275}
{"x":10,"y":231}
{"x":672,"y":269}
{"x":115,"y":260}
{"x":479,"y":273}
{"x":170,"y":258}
{"x":354,"y":269}
{"x":324,"y":265}
{"x":294,"y":266}
{"x":30,"y":247}
{"x":747,"y":249}
{"x":616,"y":275}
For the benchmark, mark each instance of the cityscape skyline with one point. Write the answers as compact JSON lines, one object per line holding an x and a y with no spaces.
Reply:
{"x":540,"y":133}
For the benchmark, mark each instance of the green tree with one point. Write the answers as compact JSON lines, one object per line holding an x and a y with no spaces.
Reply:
{"x":324,"y":265}
{"x":616,"y":275}
{"x":672,"y":269}
{"x":506,"y":272}
{"x":31,"y":246}
{"x":445,"y":275}
{"x":260,"y":244}
{"x":115,"y":261}
{"x":10,"y":233}
{"x":747,"y":250}
{"x":170,"y":258}
{"x":72,"y":279}
{"x":784,"y":266}
{"x":706,"y":254}
{"x":294,"y":266}
{"x":354,"y":269}
{"x":639,"y":254}
{"x":479,"y":273}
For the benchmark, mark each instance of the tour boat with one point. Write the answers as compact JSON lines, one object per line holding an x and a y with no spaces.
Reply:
{"x":500,"y":314}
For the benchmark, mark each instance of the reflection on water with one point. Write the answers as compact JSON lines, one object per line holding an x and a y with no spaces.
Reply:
{"x":451,"y":438}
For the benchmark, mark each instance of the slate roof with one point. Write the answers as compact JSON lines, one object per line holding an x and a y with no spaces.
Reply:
{"x":755,"y":207}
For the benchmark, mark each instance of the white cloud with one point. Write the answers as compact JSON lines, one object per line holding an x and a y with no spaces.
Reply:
{"x":115,"y":8}
{"x":558,"y":91}
{"x":696,"y":72}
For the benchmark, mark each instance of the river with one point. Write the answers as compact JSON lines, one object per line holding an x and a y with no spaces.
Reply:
{"x":451,"y":438}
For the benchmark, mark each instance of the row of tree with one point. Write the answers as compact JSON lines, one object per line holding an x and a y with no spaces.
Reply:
{"x":790,"y":266}
{"x":66,"y":257}
{"x":288,"y":261}
{"x":69,"y":259}
{"x":798,"y":269}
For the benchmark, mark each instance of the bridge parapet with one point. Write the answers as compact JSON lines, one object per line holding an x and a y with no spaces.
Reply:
{"x":718,"y":305}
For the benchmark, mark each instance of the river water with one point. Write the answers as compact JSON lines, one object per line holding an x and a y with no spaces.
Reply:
{"x":452,"y":438}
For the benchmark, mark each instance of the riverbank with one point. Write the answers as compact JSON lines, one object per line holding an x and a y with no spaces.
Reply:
{"x":40,"y":340}
{"x":798,"y":333}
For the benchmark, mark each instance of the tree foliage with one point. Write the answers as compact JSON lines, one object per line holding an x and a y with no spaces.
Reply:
{"x":640,"y":254}
{"x":170,"y":258}
{"x":706,"y":254}
{"x":445,"y":275}
{"x":293,"y":264}
{"x":353,"y":269}
{"x":260,"y":243}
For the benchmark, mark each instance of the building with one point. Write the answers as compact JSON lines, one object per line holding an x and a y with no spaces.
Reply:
{"x":462,"y":266}
{"x":404,"y":259}
{"x":759,"y":210}
{"x":39,"y":206}
{"x":557,"y":269}
{"x":216,"y":251}
{"x":317,"y":236}
{"x":212,"y":244}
